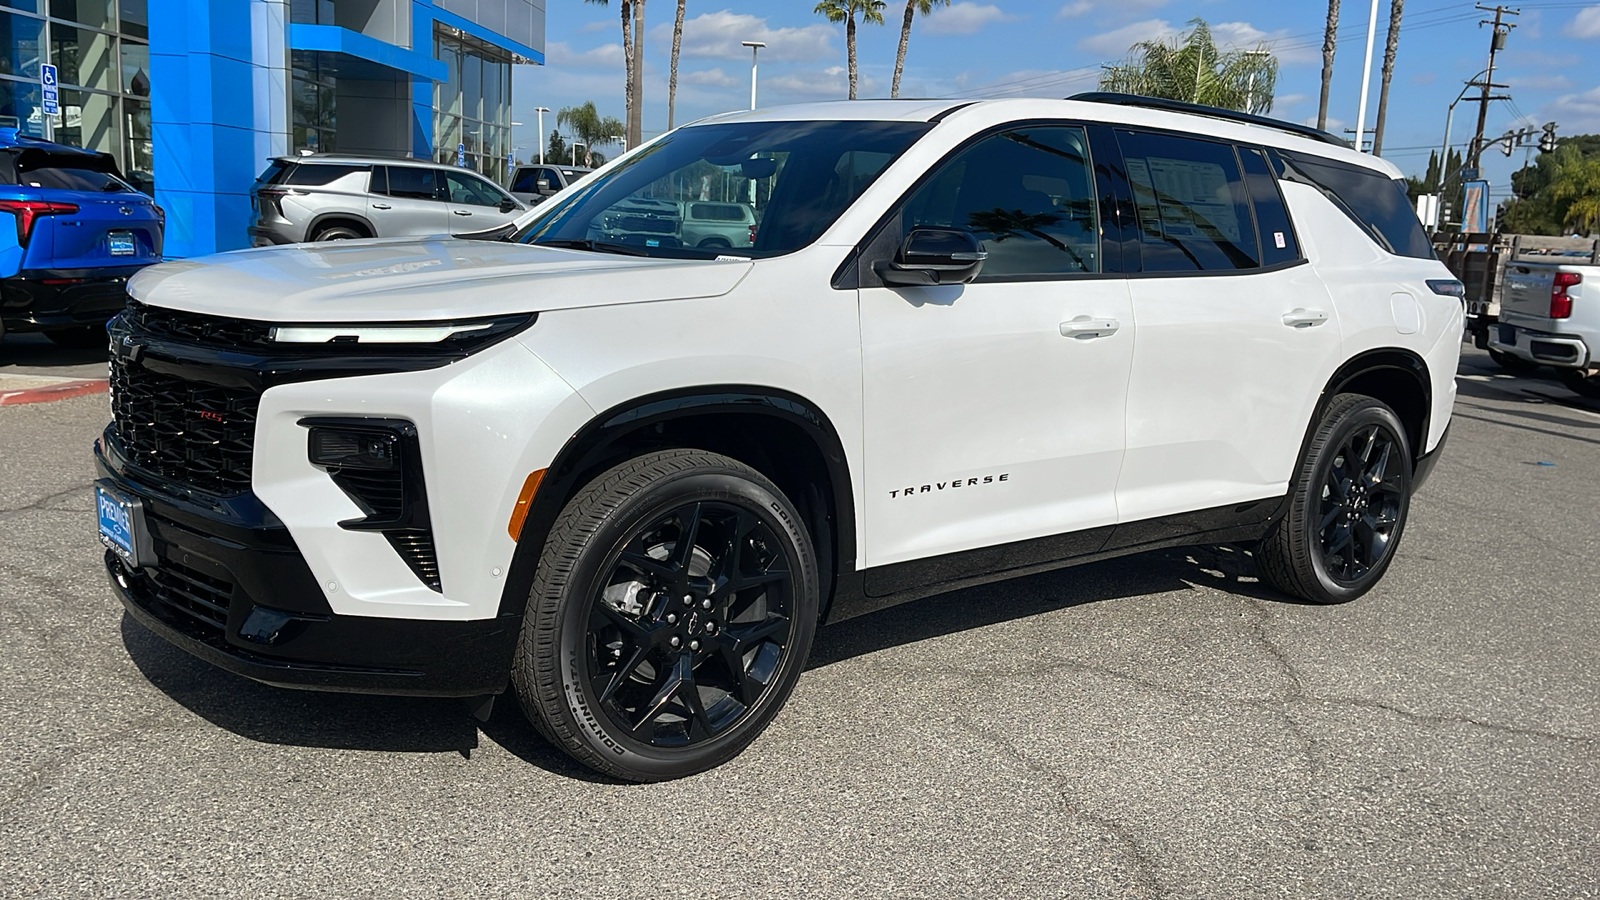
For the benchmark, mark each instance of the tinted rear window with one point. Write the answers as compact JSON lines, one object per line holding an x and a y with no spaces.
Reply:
{"x":70,"y":179}
{"x":1373,"y":200}
{"x":318,"y":175}
{"x":719,"y":212}
{"x":274,"y":172}
{"x":415,"y":183}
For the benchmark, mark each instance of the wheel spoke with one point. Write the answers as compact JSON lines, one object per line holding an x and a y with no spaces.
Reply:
{"x":688,"y":532}
{"x":1329,"y":517}
{"x":1376,"y":472}
{"x":748,"y":690}
{"x":1341,"y":539}
{"x":659,"y":569}
{"x":611,"y":615}
{"x":747,"y":637}
{"x":623,"y":672}
{"x":677,"y":676}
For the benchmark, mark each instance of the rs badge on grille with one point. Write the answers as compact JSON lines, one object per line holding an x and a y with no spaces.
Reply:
{"x":209,"y":416}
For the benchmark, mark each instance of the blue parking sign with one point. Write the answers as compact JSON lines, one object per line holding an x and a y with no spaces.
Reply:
{"x":47,"y":82}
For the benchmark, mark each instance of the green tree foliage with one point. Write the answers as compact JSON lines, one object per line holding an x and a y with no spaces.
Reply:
{"x":556,"y":150}
{"x":846,"y":11}
{"x":590,"y":128}
{"x":1559,"y":193}
{"x":1191,"y":68}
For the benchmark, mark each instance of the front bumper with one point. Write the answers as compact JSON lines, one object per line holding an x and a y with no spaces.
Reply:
{"x":49,"y":299}
{"x":230,"y":586}
{"x":1561,"y":350}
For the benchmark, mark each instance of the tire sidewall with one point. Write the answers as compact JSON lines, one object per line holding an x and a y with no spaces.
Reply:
{"x":588,"y":719}
{"x":1370,"y":413}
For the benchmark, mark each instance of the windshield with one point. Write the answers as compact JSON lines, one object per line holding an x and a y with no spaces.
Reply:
{"x":793,"y":178}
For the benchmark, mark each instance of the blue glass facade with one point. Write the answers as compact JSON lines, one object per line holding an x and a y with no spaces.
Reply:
{"x":234,"y":82}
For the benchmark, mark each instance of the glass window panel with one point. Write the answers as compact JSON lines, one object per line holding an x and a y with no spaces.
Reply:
{"x":1193,"y":212}
{"x":19,"y":45}
{"x":1375,"y":201}
{"x":491,"y":92}
{"x":450,"y":99}
{"x":449,"y":136}
{"x":471,"y":191}
{"x":135,"y":18}
{"x":1027,"y":194}
{"x":415,"y":183}
{"x":85,"y":58}
{"x":89,"y":120}
{"x":94,"y":13}
{"x":303,"y":99}
{"x":471,"y":86}
{"x":25,"y":5}
{"x":19,"y":106}
{"x":136,"y":128}
{"x":136,"y":68}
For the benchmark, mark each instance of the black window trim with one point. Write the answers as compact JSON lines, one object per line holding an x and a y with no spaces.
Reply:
{"x":1283,"y":202}
{"x":852,"y":273}
{"x":1136,"y":266}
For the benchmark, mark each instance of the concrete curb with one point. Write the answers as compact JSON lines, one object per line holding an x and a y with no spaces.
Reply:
{"x":47,"y":393}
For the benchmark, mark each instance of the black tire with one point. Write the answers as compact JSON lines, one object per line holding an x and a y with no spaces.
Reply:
{"x":715,"y":244}
{"x":1582,"y":382}
{"x":701,"y":646}
{"x":84,"y":337}
{"x":1347,"y":505}
{"x":1510,"y":362}
{"x":338,"y":233}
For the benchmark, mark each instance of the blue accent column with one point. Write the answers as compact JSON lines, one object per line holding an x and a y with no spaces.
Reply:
{"x":203,"y":122}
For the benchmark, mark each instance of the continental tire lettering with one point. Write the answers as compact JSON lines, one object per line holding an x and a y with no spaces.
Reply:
{"x":586,"y":716}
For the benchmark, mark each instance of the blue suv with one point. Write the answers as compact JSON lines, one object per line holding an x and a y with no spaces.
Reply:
{"x":79,"y":232}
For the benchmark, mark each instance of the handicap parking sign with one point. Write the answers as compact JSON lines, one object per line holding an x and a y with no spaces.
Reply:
{"x":47,"y":81}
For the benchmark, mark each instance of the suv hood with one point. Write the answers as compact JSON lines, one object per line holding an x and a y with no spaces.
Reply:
{"x":412,"y":279}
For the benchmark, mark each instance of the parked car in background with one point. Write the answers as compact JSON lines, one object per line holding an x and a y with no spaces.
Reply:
{"x":79,"y":231}
{"x":712,"y":224}
{"x":531,"y":184}
{"x":326,"y":197}
{"x":640,"y":220}
{"x":1550,"y":313}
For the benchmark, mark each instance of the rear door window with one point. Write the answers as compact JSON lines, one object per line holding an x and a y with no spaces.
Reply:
{"x":1372,"y":199}
{"x":1278,"y":244}
{"x":414,"y":183}
{"x":1192,"y":208}
{"x":526,"y":181}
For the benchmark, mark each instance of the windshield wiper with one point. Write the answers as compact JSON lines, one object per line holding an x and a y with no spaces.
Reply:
{"x":596,"y":246}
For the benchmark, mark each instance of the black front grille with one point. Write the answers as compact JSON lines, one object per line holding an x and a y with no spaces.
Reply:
{"x":199,"y":599}
{"x":198,"y":330}
{"x":192,"y":432}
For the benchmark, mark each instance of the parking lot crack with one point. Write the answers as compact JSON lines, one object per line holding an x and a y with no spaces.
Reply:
{"x":43,"y":504}
{"x":1587,"y":744}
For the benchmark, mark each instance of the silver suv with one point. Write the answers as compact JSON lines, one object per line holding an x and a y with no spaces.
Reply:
{"x":330,"y":198}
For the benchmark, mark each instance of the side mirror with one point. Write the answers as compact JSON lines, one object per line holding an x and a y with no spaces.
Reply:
{"x":508,"y":205}
{"x":542,"y":184}
{"x":933,"y":256}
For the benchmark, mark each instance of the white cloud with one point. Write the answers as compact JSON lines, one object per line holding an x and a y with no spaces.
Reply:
{"x":594,"y":27}
{"x":1074,"y":9}
{"x":710,"y":78}
{"x":1115,"y":43}
{"x":560,"y":54}
{"x":1542,"y":82}
{"x":718,"y":35}
{"x":1586,"y":24}
{"x":964,"y":17}
{"x":1578,"y":113}
{"x":827,"y":84}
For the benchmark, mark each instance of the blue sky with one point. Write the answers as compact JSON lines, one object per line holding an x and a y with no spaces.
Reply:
{"x":1052,"y":48}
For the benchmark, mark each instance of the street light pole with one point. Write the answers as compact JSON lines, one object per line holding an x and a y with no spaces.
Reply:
{"x":575,"y":152}
{"x":755,"y":49}
{"x":541,"y":110}
{"x":1366,"y":75}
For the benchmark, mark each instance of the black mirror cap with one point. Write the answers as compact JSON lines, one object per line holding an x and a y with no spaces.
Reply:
{"x":932,"y":256}
{"x":509,"y":205}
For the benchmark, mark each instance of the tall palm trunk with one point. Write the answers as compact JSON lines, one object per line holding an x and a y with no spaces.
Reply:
{"x":635,"y":129}
{"x":1395,"y":8}
{"x":1330,"y":37}
{"x":905,"y":38}
{"x":630,"y":77}
{"x":672,"y":82}
{"x":850,"y":48}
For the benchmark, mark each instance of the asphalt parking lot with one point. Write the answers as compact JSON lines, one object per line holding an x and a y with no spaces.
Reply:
{"x":1158,"y":726}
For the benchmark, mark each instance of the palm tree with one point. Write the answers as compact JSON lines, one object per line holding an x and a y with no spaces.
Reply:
{"x":1330,"y":36}
{"x":589,"y":127}
{"x":1395,"y":9}
{"x":912,"y":7}
{"x":1193,"y":70}
{"x":845,"y":11}
{"x":630,"y":81}
{"x":636,"y":108}
{"x":672,"y":83}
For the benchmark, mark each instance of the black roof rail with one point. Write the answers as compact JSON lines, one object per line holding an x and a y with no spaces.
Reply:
{"x":1215,"y":112}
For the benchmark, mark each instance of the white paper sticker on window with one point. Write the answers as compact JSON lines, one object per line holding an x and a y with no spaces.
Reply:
{"x":1277,"y":239}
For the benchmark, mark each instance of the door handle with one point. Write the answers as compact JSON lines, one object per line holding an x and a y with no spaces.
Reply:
{"x":1300,"y":317}
{"x":381,"y":206}
{"x":1085,"y":328}
{"x":461,"y":212}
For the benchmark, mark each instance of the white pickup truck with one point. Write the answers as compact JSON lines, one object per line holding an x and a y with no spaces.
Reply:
{"x":1550,"y":315}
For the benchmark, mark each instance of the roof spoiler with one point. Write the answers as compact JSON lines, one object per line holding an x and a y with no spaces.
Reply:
{"x":1215,"y":112}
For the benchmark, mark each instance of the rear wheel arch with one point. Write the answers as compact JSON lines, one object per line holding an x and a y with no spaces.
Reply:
{"x":782,"y":435}
{"x":1397,"y":377}
{"x":339,"y":219}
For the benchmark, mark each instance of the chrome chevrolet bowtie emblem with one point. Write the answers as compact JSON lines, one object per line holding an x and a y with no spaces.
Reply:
{"x":125,"y":210}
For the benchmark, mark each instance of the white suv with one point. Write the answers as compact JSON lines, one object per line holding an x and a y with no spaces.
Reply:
{"x":969,"y":341}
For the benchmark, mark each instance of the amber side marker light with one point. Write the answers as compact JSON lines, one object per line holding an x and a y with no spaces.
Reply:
{"x":524,"y":500}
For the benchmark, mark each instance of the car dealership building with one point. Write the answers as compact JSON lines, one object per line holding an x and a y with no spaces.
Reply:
{"x":196,"y":95}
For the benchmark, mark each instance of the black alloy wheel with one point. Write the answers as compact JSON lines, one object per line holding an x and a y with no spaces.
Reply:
{"x":1511,"y":362}
{"x":670,"y":618}
{"x":1583,"y":382}
{"x":1347,"y":505}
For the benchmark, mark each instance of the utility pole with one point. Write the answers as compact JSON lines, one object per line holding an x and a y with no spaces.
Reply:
{"x":1497,"y":42}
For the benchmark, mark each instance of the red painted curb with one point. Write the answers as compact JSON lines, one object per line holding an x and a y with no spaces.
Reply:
{"x":66,"y":390}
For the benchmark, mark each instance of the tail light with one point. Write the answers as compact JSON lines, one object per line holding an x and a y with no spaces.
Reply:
{"x":752,"y":235}
{"x":29,"y":211}
{"x":1560,"y":300}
